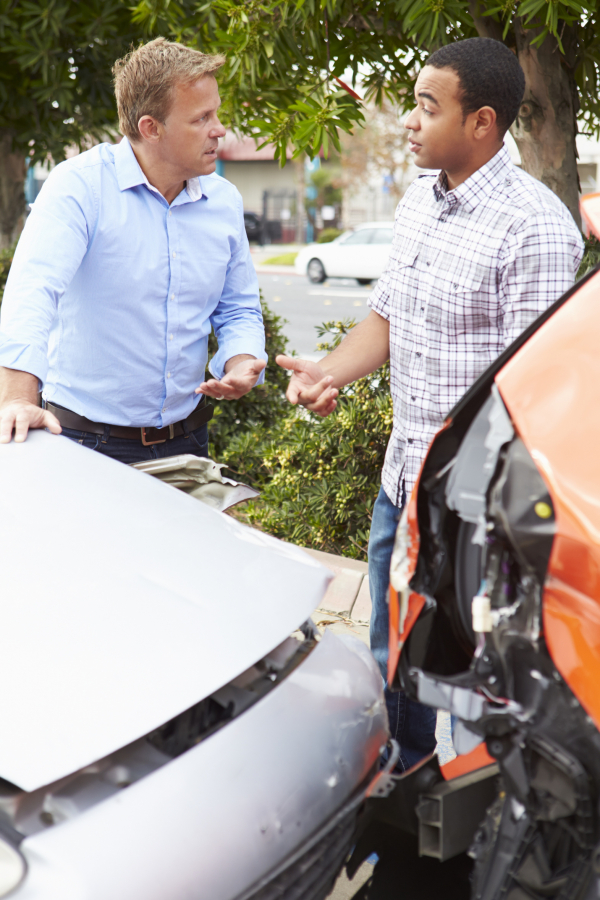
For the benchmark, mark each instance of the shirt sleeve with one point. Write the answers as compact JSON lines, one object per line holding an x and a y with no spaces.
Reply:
{"x":50,"y":249}
{"x":237,"y":319}
{"x":541,"y":262}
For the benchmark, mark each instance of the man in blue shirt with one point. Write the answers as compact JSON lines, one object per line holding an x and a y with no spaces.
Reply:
{"x":129,"y":256}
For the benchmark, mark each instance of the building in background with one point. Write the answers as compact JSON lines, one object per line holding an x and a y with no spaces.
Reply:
{"x":274,"y":194}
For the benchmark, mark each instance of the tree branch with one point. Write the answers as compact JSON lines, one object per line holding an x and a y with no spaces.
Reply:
{"x":486,"y":26}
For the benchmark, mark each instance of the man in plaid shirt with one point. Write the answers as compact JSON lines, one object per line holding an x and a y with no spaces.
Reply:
{"x":479,"y":251}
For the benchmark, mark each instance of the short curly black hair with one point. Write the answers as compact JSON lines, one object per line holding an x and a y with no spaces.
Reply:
{"x":489,"y":75}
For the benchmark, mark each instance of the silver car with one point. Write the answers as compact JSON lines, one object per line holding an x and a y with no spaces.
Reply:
{"x":173,"y":727}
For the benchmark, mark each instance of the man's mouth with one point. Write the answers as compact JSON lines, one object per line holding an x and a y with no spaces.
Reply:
{"x":413,"y":146}
{"x":212,"y":152}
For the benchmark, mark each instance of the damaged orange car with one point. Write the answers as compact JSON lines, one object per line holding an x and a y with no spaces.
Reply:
{"x":495,"y":616}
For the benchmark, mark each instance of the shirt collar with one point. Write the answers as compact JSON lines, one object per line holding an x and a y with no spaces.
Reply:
{"x":498,"y":170}
{"x":130,"y":174}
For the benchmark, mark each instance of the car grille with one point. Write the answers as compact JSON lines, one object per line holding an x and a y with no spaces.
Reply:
{"x":311,"y":872}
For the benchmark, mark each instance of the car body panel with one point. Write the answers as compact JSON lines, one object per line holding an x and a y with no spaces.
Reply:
{"x":217,"y":819}
{"x":355,"y":260}
{"x":126,"y":602}
{"x":554,"y":378}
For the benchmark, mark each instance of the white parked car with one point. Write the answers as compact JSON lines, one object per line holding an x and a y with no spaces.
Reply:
{"x":172,"y":726}
{"x":361,"y":254}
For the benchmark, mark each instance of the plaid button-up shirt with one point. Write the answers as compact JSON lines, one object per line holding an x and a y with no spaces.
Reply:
{"x":469,"y":269}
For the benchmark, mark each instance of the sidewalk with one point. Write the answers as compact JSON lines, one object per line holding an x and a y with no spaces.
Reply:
{"x":261,"y":254}
{"x":346,"y":607}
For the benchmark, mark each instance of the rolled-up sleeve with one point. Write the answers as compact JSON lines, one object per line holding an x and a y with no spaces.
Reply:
{"x":540,"y":263}
{"x":49,"y":252}
{"x":237,"y":319}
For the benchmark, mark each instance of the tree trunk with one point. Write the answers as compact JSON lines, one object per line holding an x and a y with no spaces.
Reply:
{"x":12,"y":187}
{"x":546,"y":126}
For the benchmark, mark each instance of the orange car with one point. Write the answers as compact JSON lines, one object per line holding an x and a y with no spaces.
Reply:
{"x":495,"y":616}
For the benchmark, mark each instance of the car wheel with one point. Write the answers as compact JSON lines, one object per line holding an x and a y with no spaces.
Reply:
{"x":364,"y":280}
{"x":316,"y":271}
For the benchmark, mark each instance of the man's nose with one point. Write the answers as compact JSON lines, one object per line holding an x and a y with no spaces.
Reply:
{"x":218,"y":131}
{"x":412,"y":120}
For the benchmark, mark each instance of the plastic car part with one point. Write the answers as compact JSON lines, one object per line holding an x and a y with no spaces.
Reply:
{"x":538,"y":836}
{"x":412,"y":828}
{"x":201,"y":478}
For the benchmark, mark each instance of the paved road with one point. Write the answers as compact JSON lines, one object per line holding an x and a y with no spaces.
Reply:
{"x":305,"y":305}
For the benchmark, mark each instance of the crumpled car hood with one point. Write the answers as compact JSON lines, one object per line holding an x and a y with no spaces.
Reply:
{"x":124,"y":602}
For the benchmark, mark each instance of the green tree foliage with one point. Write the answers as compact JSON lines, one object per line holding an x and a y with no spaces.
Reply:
{"x":285,"y":58}
{"x":55,"y":84}
{"x":55,"y":78}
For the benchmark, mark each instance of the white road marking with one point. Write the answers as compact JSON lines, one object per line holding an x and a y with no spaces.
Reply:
{"x":338,"y":293}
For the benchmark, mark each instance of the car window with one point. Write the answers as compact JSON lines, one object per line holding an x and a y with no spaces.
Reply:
{"x":383,"y":236}
{"x":363,"y":236}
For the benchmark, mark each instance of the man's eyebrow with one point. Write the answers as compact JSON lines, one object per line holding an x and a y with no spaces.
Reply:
{"x":427,"y":96}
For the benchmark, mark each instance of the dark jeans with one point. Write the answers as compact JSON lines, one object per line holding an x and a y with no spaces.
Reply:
{"x":411,"y":723}
{"x":127,"y":451}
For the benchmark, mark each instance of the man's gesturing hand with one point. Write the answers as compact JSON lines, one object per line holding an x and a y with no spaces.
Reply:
{"x":309,"y":385}
{"x":240,"y":378}
{"x":21,"y":415}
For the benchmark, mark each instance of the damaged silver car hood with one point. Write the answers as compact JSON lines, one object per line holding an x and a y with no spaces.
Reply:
{"x":124,"y":602}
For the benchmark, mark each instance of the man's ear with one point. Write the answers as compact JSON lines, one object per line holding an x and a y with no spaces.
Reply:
{"x":484,"y":123}
{"x":150,"y":129}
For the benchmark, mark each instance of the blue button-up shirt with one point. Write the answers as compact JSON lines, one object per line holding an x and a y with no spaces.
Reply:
{"x":112,"y":292}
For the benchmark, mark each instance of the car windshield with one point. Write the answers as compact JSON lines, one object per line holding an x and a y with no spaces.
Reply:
{"x":383,"y":236}
{"x":363,"y":236}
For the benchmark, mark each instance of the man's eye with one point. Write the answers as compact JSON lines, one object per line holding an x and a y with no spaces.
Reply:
{"x":427,"y":112}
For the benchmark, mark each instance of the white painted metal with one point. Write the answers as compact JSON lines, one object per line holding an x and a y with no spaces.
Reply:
{"x":348,"y":256}
{"x":212,"y":822}
{"x":123,"y":603}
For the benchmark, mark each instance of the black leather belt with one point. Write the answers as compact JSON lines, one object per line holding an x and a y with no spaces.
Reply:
{"x":201,"y":415}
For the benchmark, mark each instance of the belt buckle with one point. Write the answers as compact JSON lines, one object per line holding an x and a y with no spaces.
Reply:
{"x":147,"y":443}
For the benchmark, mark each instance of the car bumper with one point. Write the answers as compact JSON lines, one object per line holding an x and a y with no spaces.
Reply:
{"x":236,"y":811}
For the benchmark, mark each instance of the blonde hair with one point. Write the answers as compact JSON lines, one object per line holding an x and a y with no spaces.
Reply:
{"x":146,"y":77}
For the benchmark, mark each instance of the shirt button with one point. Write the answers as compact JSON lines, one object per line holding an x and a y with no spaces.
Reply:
{"x":168,"y":374}
{"x":170,"y":337}
{"x":413,"y":398}
{"x":410,"y":440}
{"x":174,"y":254}
{"x":455,"y":287}
{"x":172,"y":296}
{"x":428,"y":263}
{"x":169,"y":212}
{"x":422,"y":309}
{"x":418,"y":354}
{"x":165,"y":408}
{"x":508,"y":182}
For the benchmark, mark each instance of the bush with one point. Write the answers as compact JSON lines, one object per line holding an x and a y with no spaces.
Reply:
{"x":319,"y":477}
{"x":328,"y":235}
{"x":263,"y":408}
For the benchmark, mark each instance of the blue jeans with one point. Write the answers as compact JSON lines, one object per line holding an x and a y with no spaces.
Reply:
{"x":411,"y":723}
{"x":130,"y":451}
